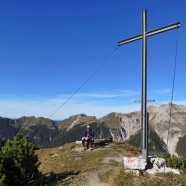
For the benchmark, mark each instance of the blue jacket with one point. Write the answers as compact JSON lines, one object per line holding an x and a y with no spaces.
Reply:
{"x":91,"y":134}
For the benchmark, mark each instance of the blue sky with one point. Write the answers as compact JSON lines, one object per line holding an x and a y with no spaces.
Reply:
{"x":48,"y":49}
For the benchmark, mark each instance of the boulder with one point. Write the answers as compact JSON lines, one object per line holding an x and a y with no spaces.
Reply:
{"x":152,"y":171}
{"x":160,"y":162}
{"x":169,"y":170}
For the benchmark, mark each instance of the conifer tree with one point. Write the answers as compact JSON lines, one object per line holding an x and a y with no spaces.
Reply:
{"x":19,"y":163}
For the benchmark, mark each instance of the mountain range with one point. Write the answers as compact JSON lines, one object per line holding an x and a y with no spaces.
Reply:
{"x":118,"y":126}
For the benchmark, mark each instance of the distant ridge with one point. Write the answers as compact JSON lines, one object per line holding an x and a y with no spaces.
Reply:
{"x":118,"y":126}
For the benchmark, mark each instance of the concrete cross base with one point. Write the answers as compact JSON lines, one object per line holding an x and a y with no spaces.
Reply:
{"x":133,"y":163}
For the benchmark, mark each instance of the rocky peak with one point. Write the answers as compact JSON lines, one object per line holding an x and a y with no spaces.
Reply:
{"x":72,"y":121}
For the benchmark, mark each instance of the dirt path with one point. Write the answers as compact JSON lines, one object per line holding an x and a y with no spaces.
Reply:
{"x":89,"y":179}
{"x":93,"y":180}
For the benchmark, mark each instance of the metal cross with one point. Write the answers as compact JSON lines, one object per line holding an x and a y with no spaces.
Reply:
{"x":144,"y":36}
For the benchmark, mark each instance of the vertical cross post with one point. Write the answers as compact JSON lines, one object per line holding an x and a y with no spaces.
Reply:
{"x":144,"y":85}
{"x":145,"y":132}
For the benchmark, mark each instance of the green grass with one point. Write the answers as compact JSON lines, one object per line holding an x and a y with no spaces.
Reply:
{"x":172,"y":179}
{"x":125,"y":149}
{"x":90,"y":160}
{"x":67,"y":159}
{"x":113,"y":163}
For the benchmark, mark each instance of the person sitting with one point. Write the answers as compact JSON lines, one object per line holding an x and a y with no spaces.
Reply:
{"x":88,"y":137}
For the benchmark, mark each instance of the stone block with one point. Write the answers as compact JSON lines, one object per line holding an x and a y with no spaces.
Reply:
{"x":134,"y":163}
{"x":78,"y":142}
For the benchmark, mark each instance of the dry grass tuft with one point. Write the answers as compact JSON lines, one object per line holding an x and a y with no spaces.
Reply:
{"x":125,"y":149}
{"x":56,"y":160}
{"x":118,"y":177}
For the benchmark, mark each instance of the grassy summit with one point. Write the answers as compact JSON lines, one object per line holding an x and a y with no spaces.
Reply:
{"x":103,"y":166}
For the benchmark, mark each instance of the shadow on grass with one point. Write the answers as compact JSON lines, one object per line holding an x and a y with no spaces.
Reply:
{"x":59,"y":177}
{"x":102,"y":143}
{"x":52,"y":178}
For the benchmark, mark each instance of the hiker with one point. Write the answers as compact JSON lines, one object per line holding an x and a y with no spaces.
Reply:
{"x":88,"y":136}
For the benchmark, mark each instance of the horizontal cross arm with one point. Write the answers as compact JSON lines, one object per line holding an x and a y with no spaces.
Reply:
{"x":139,"y":101}
{"x":150,"y":33}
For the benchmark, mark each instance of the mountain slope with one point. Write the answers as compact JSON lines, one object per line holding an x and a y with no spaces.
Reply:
{"x":181,"y":146}
{"x":119,"y":126}
{"x":101,"y":131}
{"x":122,"y":126}
{"x":39,"y":130}
{"x":8,"y":128}
{"x":160,"y":120}
{"x":155,"y":143}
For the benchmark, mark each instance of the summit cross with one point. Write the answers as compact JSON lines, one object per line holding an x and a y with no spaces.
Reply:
{"x":143,"y":36}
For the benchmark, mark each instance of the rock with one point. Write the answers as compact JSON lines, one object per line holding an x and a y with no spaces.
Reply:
{"x":168,"y":170}
{"x":78,"y":142}
{"x":78,"y":158}
{"x":54,"y":155}
{"x":162,"y":170}
{"x":157,"y":161}
{"x":151,"y":171}
{"x":155,"y":166}
{"x":176,"y":171}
